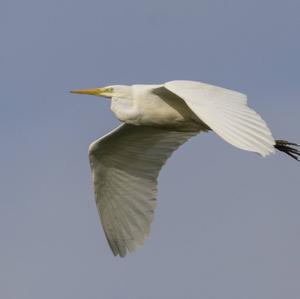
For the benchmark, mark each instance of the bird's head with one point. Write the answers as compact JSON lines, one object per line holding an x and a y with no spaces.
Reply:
{"x":118,"y":91}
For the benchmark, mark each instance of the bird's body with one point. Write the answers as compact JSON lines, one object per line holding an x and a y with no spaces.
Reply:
{"x":154,"y":105}
{"x":158,"y":119}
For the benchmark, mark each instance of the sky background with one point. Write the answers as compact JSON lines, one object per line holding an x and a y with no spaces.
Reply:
{"x":227,"y":223}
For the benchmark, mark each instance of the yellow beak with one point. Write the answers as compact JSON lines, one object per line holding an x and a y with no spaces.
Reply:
{"x":95,"y":91}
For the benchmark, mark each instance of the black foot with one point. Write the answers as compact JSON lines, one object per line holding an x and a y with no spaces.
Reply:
{"x":288,"y":148}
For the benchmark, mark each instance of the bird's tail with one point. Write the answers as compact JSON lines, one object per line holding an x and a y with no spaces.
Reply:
{"x":288,"y":148}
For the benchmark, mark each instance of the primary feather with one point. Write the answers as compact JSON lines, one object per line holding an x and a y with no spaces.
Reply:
{"x":125,"y":166}
{"x":227,"y":114}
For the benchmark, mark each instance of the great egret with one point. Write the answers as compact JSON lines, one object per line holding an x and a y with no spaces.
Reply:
{"x":159,"y":118}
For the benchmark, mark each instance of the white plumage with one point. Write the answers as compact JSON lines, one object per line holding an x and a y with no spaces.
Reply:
{"x":158,"y":119}
{"x":227,"y":114}
{"x":125,"y":166}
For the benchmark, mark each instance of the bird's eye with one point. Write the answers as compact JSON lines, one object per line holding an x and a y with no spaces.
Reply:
{"x":109,"y":89}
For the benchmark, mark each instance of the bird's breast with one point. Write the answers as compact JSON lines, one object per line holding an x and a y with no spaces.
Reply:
{"x":124,"y":109}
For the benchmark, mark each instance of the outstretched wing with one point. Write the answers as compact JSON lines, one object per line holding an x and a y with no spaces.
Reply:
{"x":227,"y":114}
{"x":125,"y":165}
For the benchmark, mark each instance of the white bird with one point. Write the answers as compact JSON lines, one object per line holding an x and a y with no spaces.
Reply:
{"x":157,"y":119}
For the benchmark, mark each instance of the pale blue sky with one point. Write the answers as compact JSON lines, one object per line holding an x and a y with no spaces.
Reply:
{"x":227,"y":223}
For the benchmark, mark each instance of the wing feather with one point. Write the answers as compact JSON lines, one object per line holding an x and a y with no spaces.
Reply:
{"x":125,"y":165}
{"x":227,"y":114}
